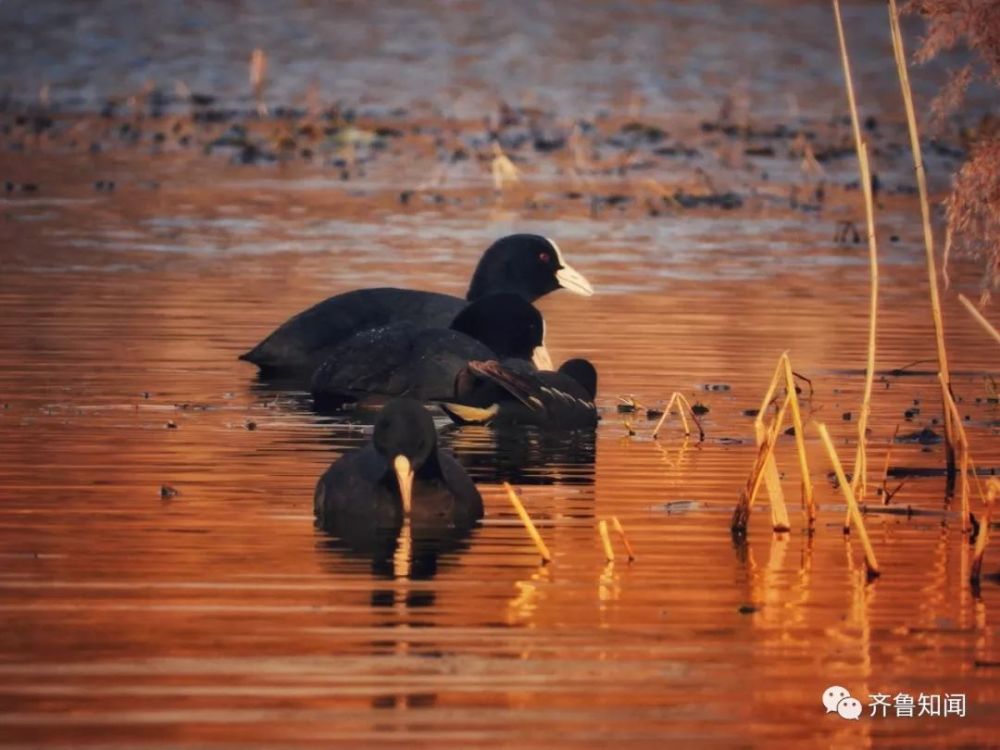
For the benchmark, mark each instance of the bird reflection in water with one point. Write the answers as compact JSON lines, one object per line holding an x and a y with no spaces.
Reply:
{"x":525,"y":455}
{"x":407,"y":553}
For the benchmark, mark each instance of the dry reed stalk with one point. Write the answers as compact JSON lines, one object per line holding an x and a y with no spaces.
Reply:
{"x":609,"y":551}
{"x":974,"y":312}
{"x":779,"y":513}
{"x":964,"y":457}
{"x":682,"y":404}
{"x":925,"y":213}
{"x":860,"y":481}
{"x":741,"y":514}
{"x":772,"y":481}
{"x":946,"y":255}
{"x":852,"y":505}
{"x":886,"y":497}
{"x":503,"y":169}
{"x":528,"y":523}
{"x":993,"y":488}
{"x":666,"y":413}
{"x":800,"y":442}
{"x":258,"y":72}
{"x":620,"y":530}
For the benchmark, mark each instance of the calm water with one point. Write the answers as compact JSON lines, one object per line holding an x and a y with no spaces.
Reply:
{"x":220,"y":618}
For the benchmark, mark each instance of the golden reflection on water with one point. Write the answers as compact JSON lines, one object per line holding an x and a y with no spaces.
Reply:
{"x":221,"y":616}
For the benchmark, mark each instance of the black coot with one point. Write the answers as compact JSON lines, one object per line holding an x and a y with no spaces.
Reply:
{"x":403,"y":359}
{"x":514,"y":393}
{"x":527,"y":265}
{"x":401,"y":474}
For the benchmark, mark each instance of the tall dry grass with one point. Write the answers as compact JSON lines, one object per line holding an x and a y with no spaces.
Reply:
{"x":973,"y":207}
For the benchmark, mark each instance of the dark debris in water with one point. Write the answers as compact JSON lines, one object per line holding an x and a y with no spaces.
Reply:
{"x":926,"y":436}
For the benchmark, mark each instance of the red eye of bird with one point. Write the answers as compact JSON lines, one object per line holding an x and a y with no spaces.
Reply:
{"x":544,"y":257}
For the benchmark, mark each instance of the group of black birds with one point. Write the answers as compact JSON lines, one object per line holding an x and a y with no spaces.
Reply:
{"x":481,"y":359}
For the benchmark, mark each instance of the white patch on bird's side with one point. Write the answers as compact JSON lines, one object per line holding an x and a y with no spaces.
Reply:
{"x":540,"y":354}
{"x":541,"y":358}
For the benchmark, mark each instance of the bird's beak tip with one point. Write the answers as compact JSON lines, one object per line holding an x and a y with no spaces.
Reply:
{"x":573,"y":281}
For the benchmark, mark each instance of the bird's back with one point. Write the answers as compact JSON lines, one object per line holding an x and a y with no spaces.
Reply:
{"x":351,"y":493}
{"x":302,"y":342}
{"x":396,"y":360}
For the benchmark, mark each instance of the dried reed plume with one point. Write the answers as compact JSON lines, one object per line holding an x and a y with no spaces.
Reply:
{"x":528,"y":523}
{"x":925,"y":213}
{"x":854,"y":511}
{"x":973,"y":208}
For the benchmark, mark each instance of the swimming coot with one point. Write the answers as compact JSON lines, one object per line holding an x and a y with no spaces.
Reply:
{"x":527,"y":265}
{"x":401,"y":474}
{"x":404,"y":359}
{"x":514,"y":393}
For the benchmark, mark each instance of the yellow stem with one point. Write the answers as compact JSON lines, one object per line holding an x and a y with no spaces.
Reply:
{"x":528,"y":524}
{"x":852,"y":504}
